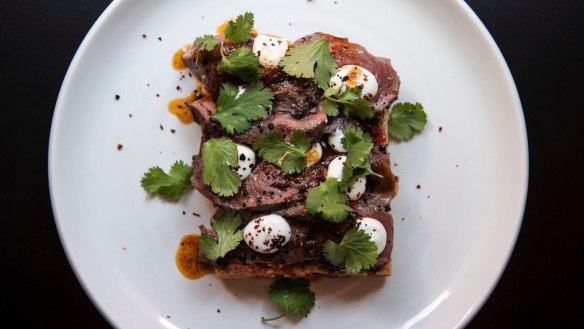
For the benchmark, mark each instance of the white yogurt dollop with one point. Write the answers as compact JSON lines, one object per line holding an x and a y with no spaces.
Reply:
{"x":269,"y":49}
{"x":358,"y":189}
{"x":335,"y":169}
{"x":334,"y":141}
{"x":375,"y":229}
{"x":246,"y":160}
{"x":267,"y":234}
{"x":355,"y":76}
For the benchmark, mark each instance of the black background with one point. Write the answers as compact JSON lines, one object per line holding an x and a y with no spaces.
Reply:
{"x":542,"y":43}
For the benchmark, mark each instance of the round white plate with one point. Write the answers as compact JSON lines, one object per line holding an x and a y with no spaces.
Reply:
{"x":453,"y":235}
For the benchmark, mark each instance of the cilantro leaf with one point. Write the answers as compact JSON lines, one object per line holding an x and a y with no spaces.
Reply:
{"x":358,"y":145}
{"x":169,"y":186}
{"x":239,"y":31}
{"x":235,"y":113}
{"x":406,"y":120}
{"x":355,"y":252}
{"x":357,"y":164}
{"x":328,"y":200}
{"x":349,"y":101}
{"x":292,"y":295}
{"x":273,"y":148}
{"x":310,"y":60}
{"x":219,"y":155}
{"x":330,"y":108}
{"x":352,"y":174}
{"x":358,"y":153}
{"x":226,"y":223}
{"x":207,"y":42}
{"x":296,"y":161}
{"x":242,"y":63}
{"x":353,"y":135}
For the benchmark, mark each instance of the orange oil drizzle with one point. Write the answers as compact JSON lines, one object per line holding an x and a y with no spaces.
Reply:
{"x":178,"y":107}
{"x":177,"y":61}
{"x":186,"y":258}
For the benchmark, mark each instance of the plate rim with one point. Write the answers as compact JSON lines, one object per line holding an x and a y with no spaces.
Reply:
{"x":55,"y":122}
{"x":494,"y":47}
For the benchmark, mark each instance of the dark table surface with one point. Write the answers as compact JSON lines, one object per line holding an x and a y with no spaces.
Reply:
{"x":542,"y":43}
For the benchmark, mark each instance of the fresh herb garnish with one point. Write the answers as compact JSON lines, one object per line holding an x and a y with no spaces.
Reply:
{"x":330,"y":108}
{"x":273,"y":148}
{"x":349,"y":101}
{"x":235,"y":113}
{"x":219,"y":155}
{"x":292,"y":295}
{"x":207,"y":42}
{"x":329,"y":201}
{"x":169,"y":186}
{"x":406,"y":120}
{"x":310,"y":60}
{"x":329,"y":198}
{"x":355,"y":252}
{"x":358,"y":145}
{"x":242,"y":63}
{"x":226,"y":224}
{"x":353,"y":135}
{"x":239,"y":31}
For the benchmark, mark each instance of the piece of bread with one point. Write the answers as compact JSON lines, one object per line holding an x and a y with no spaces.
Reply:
{"x":245,"y":271}
{"x":269,"y":191}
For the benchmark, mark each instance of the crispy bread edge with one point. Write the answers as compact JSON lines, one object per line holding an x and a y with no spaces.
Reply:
{"x":244,"y":271}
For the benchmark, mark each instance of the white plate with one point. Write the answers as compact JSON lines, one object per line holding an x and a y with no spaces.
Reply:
{"x":453,"y":236}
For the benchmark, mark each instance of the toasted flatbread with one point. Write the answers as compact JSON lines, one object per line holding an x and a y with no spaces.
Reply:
{"x":269,"y":191}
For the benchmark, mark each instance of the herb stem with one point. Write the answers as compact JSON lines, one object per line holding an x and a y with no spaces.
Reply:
{"x":221,"y":50}
{"x":293,"y":150}
{"x":274,"y":318}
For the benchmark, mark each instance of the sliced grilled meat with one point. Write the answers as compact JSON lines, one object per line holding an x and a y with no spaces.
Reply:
{"x":347,"y":53}
{"x":203,"y":64}
{"x":294,"y":96}
{"x":306,"y":243}
{"x":266,"y":188}
{"x":313,"y":124}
